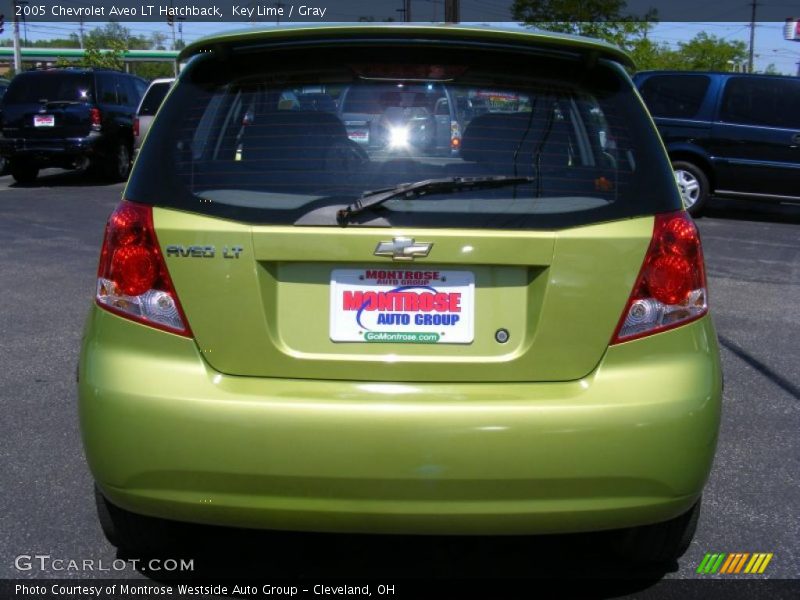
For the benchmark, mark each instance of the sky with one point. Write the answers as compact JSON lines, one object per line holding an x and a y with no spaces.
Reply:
{"x":770,"y":46}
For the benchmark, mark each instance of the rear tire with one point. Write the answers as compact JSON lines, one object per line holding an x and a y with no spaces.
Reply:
{"x":131,"y":532}
{"x":118,"y":165}
{"x":24,"y":173}
{"x":661,"y":542}
{"x":693,"y":184}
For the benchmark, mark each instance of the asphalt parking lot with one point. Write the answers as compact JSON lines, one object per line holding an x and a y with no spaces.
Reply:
{"x":50,"y":235}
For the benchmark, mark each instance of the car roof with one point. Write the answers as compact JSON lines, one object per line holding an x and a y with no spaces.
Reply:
{"x":76,"y":71}
{"x":475,"y":33}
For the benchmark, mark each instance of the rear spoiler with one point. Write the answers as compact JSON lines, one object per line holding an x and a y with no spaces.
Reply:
{"x":304,"y":35}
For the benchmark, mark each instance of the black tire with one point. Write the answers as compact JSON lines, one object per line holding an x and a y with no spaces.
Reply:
{"x":661,"y":542}
{"x":24,"y":173}
{"x":118,"y":164}
{"x":133,"y":533}
{"x":693,"y":184}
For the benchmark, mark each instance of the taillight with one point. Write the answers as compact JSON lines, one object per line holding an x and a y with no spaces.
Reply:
{"x":136,"y":126}
{"x":671,"y":287}
{"x":132,"y":279}
{"x":96,"y":118}
{"x":455,"y":135}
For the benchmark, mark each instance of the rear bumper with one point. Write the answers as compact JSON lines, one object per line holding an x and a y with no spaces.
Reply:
{"x":631,"y":443}
{"x":53,"y":151}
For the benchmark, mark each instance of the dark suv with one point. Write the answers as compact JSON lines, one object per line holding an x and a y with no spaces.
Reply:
{"x":729,"y":134}
{"x":70,"y":118}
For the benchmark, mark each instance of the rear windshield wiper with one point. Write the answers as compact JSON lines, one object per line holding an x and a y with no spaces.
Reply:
{"x":372,"y":199}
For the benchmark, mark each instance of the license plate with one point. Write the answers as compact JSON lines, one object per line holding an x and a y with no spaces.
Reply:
{"x":44,"y":121}
{"x":402,"y":306}
{"x":359,"y":135}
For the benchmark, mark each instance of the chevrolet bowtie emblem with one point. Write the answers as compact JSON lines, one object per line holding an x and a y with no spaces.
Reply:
{"x":401,"y":248}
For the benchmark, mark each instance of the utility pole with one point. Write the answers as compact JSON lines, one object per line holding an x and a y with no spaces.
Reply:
{"x":406,"y":10}
{"x":17,"y":53}
{"x":753,"y":5}
{"x":452,"y":11}
{"x":80,"y":32}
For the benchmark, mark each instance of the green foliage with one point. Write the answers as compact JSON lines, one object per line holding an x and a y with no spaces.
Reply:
{"x":153,"y":70}
{"x":112,"y":58}
{"x":73,"y":41}
{"x":702,"y":53}
{"x":710,"y":53}
{"x":104,"y":37}
{"x":605,"y":19}
{"x":106,"y":46}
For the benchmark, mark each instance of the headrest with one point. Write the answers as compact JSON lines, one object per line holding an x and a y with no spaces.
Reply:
{"x":295,"y":140}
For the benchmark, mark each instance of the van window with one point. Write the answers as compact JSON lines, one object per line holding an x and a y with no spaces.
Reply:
{"x":675,"y":96}
{"x":771,"y":102}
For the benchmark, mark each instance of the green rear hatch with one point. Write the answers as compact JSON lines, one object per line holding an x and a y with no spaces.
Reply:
{"x":523,"y":281}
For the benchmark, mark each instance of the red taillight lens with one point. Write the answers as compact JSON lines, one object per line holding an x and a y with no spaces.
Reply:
{"x":671,"y":287}
{"x":136,"y":126}
{"x":132,"y":278}
{"x":96,"y":118}
{"x":134,"y":269}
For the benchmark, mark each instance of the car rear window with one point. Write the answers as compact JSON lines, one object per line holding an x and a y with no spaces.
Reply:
{"x":675,"y":96}
{"x":232,"y":145}
{"x":32,"y":88}
{"x":153,"y":98}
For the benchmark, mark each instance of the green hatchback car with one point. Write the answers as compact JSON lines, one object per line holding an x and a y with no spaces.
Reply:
{"x":294,"y":330}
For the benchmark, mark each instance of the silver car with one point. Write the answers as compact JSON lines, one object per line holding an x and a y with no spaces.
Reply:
{"x":148,"y":108}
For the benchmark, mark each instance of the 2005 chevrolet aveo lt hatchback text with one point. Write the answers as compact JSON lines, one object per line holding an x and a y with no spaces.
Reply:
{"x":298,"y":326}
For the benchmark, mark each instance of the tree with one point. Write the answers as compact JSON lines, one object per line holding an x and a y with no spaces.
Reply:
{"x":604,"y":19}
{"x":772,"y":70}
{"x":710,"y":53}
{"x":154,"y":70}
{"x":158,"y":40}
{"x":112,"y":58}
{"x":103,"y":37}
{"x":607,"y":20}
{"x":648,"y":54}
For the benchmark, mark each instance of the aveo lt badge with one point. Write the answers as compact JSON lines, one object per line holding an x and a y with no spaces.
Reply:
{"x":403,"y":248}
{"x":203,"y":251}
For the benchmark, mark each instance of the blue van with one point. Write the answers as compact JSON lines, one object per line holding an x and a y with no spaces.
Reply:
{"x":728,"y":134}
